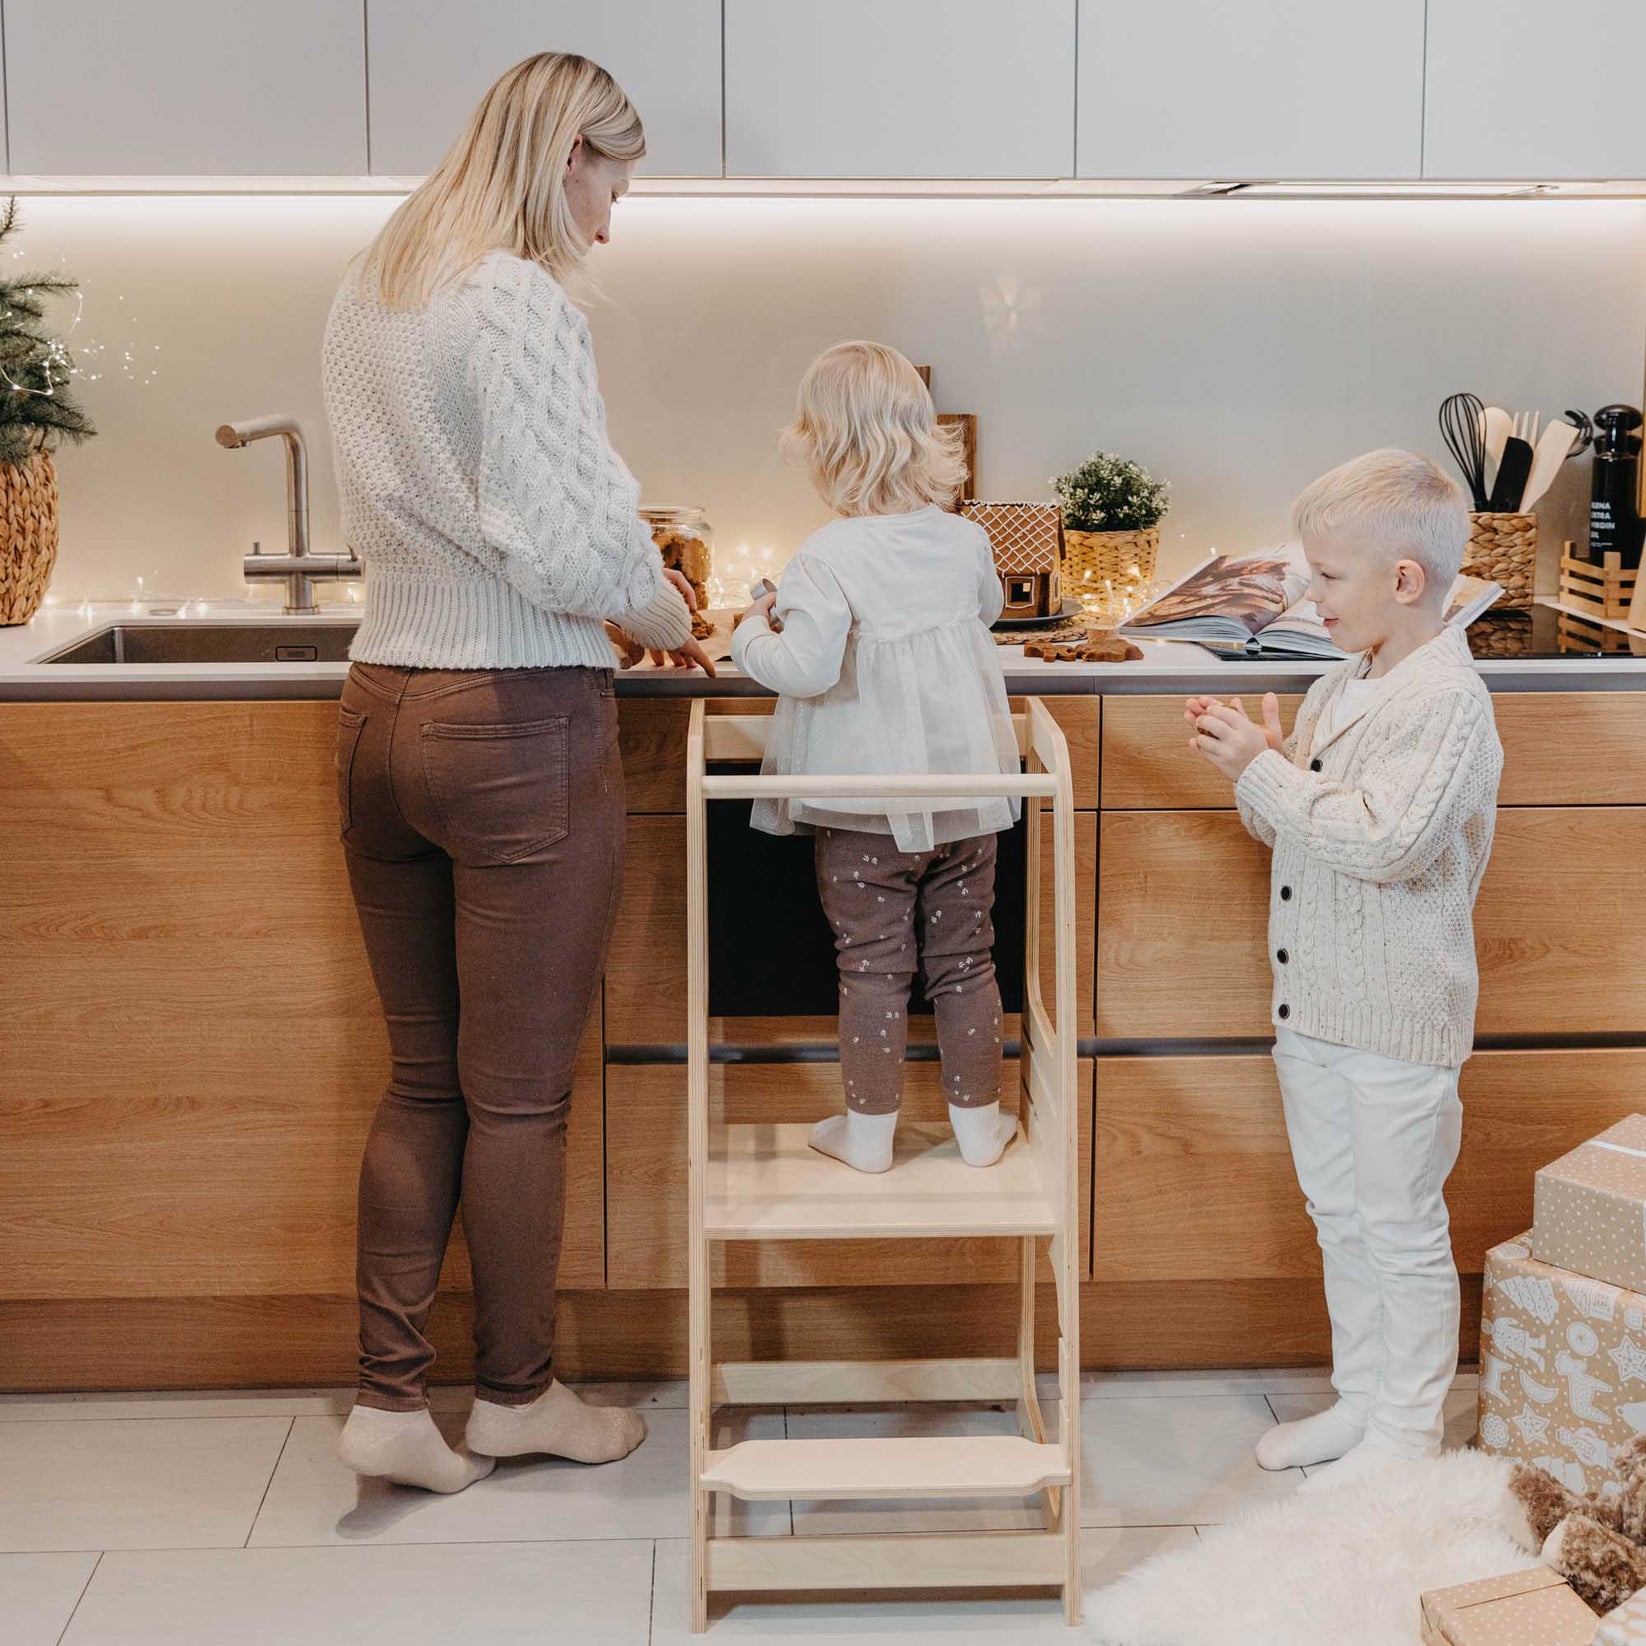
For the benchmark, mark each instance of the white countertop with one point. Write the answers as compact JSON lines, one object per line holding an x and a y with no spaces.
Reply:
{"x":1165,"y":666}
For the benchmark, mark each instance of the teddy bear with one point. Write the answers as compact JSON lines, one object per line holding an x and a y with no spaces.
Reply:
{"x":1596,"y":1542}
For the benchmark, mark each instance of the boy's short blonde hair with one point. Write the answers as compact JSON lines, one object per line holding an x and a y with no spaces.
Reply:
{"x":866,"y":429}
{"x":1405,"y":503}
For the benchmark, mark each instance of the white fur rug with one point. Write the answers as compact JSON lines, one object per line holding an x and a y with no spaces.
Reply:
{"x":1342,"y":1564}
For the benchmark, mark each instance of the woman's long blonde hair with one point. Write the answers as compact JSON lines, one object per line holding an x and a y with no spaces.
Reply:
{"x":502,"y":184}
{"x":866,"y":429}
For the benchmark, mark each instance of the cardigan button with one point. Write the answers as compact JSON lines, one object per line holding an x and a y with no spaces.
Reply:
{"x":1314,"y":765}
{"x":1285,"y":894}
{"x":1282,"y":956}
{"x":1284,"y":1011}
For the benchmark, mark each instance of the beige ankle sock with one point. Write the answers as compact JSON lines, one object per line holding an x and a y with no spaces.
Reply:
{"x":407,"y":1448}
{"x":556,"y":1423}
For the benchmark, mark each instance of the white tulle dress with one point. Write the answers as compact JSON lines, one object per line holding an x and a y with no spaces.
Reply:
{"x":885,"y":664}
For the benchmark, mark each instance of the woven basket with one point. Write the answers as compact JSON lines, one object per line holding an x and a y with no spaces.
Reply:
{"x":1091,"y":559}
{"x":1503,"y":549}
{"x":28,"y":536}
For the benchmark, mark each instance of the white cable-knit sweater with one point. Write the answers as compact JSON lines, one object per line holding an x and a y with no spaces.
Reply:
{"x":1381,"y":835}
{"x":497,"y":525}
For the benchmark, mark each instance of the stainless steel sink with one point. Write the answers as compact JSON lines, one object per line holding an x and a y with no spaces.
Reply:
{"x":211,"y":643}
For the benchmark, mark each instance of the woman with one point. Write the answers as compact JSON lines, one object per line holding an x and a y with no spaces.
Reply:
{"x":478,"y":776}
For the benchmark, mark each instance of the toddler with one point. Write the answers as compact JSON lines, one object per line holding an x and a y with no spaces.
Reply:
{"x":883,"y":662}
{"x":1379,"y":809}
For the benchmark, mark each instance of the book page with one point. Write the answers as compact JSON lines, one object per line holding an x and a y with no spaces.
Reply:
{"x":1249,"y":592}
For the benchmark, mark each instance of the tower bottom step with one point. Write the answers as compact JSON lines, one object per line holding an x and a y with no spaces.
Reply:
{"x":930,"y":1466}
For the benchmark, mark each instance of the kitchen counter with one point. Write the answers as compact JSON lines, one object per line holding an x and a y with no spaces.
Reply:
{"x":1165,"y":667}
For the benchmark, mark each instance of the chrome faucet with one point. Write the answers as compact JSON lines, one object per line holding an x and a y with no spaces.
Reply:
{"x":297,"y":565}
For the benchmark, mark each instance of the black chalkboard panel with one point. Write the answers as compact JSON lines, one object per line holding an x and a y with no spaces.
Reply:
{"x":771,"y":953}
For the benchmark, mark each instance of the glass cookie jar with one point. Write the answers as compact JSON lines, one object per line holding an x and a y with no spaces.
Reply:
{"x":685,"y":539}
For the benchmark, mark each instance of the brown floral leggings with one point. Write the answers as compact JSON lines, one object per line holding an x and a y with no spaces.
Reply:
{"x":890,"y":909}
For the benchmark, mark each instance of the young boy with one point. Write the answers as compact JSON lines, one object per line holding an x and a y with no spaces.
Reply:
{"x":1379,"y":809}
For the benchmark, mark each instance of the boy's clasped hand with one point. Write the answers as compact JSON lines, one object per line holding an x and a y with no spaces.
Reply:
{"x":1228,"y":737}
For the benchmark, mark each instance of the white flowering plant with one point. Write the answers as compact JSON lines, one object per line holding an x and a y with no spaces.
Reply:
{"x":1111,"y":494}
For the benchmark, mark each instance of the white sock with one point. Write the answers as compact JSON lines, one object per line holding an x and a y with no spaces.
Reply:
{"x":982,"y":1132}
{"x":1319,"y":1439}
{"x":407,"y":1448}
{"x":861,"y":1140}
{"x":556,"y":1424}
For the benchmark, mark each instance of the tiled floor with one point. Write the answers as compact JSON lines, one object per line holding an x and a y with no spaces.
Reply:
{"x":193,"y":1520}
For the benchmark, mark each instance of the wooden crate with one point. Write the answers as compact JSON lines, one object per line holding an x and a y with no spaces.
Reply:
{"x":1599,"y":591}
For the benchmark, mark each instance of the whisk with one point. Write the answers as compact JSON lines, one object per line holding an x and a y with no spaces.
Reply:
{"x":1462,"y":427}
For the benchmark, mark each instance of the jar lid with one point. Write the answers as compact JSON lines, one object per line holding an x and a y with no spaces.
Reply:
{"x":675,"y":514}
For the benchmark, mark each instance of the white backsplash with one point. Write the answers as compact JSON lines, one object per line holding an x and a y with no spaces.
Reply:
{"x":1236,"y":348}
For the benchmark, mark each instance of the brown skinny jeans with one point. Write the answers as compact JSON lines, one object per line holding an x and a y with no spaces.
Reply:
{"x":887,"y":907}
{"x":482,"y":819}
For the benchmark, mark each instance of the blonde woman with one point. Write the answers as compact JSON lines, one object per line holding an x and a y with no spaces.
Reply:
{"x":479,"y":783}
{"x":884,"y":663}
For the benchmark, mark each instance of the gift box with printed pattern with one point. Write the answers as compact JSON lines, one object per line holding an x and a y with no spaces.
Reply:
{"x":1589,"y":1207}
{"x":1530,"y":1608}
{"x":1562,"y":1367}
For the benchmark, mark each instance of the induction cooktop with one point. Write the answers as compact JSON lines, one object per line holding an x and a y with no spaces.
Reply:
{"x":1543,"y":632}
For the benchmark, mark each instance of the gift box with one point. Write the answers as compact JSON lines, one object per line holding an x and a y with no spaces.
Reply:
{"x":1562,"y":1367}
{"x":1530,"y":1608}
{"x":1625,"y":1625}
{"x":1589,"y":1207}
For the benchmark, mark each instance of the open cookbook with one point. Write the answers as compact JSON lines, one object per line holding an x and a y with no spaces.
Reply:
{"x":1256,"y":605}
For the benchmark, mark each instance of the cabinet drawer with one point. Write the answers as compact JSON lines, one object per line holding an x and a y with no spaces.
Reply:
{"x":1195,"y":1177}
{"x":1183,"y":911}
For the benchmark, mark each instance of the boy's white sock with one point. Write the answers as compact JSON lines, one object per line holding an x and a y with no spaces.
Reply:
{"x":1319,"y":1439}
{"x":407,"y":1448}
{"x":557,"y":1424}
{"x":982,"y":1132}
{"x":861,"y":1140}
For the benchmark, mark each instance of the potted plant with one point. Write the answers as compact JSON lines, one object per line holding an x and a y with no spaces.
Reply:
{"x":38,"y":410}
{"x":1112,"y":509}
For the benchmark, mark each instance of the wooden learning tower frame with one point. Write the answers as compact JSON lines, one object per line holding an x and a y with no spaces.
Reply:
{"x":762,"y":1182}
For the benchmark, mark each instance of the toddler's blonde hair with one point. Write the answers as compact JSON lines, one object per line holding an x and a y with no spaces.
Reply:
{"x":1413,"y":511}
{"x":502,"y":184}
{"x":865,"y":427}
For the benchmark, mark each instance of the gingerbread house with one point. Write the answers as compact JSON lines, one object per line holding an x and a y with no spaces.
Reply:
{"x":1028,"y":553}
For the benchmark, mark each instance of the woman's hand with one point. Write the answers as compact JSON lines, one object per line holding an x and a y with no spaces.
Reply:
{"x":1226,"y":736}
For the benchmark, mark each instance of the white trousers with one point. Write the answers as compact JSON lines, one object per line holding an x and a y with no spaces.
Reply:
{"x":1374,"y":1140}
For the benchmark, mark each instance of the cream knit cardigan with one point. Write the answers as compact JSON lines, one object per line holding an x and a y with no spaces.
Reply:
{"x":497,"y":525}
{"x":1380,"y":838}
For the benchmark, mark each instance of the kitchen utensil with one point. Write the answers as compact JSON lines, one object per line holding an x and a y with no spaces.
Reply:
{"x":1526,"y":427}
{"x":1512,"y":475}
{"x":1585,"y":431}
{"x":1461,"y":428}
{"x":1497,"y":426}
{"x":1614,"y":516}
{"x":1552,"y":448}
{"x":758,"y":590}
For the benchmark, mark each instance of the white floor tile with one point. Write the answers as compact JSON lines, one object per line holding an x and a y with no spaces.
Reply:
{"x":1461,"y":1408}
{"x":645,"y":1393}
{"x":1174,"y":1461}
{"x":934,"y":1515}
{"x":509,"y":1594}
{"x":313,"y":1499}
{"x":38,"y":1595}
{"x":999,"y":1620}
{"x":147,"y":1483}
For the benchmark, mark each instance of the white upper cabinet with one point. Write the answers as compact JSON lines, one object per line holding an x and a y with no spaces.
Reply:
{"x":899,"y":88}
{"x":431,"y":60}
{"x":1533,"y":89}
{"x":1262,"y":89}
{"x":186,"y":87}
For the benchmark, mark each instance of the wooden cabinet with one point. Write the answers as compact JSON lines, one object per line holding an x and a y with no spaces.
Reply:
{"x":186,"y":87}
{"x":1194,"y":1177}
{"x":191,"y":1049}
{"x":431,"y":62}
{"x":1183,"y":903}
{"x":646,"y":1188}
{"x":920,"y":88}
{"x":1520,"y":89}
{"x":1272,"y":89}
